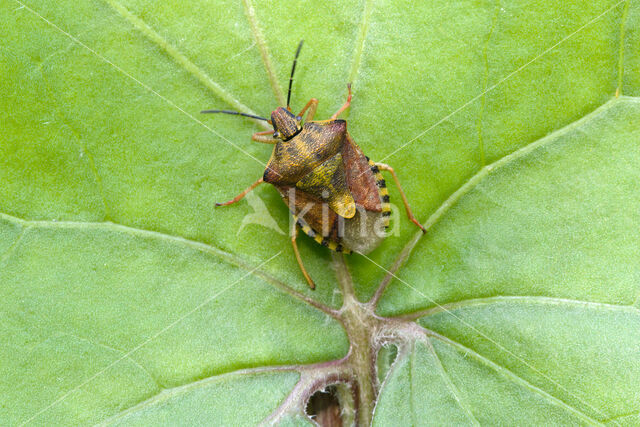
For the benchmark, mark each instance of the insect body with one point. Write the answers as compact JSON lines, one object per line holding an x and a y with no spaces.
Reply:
{"x":335,"y":193}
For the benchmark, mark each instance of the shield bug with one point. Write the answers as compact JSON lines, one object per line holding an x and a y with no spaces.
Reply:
{"x":336,"y":194}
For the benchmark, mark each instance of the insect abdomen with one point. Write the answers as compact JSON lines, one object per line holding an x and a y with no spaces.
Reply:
{"x":324,"y":241}
{"x":362,"y":233}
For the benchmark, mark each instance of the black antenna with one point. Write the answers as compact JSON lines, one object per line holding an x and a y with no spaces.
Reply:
{"x":235,"y":113}
{"x":293,"y":69}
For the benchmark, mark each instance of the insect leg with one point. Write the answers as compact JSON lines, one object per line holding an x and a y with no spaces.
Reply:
{"x":389,"y":169}
{"x":345,"y":105}
{"x":266,"y":137}
{"x":312,"y":105}
{"x":241,"y":195}
{"x":294,"y":236}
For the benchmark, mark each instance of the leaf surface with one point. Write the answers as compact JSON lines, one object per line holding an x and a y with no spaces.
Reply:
{"x":126,"y":296}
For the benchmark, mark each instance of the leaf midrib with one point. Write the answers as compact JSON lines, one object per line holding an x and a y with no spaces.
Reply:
{"x":229,"y":258}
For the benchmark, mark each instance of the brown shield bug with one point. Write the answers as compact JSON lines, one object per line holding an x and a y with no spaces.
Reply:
{"x":335,"y":193}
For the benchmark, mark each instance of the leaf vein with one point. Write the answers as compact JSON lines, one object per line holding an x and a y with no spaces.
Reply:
{"x":476,"y":179}
{"x":615,"y":418}
{"x":507,"y":77}
{"x":179,"y":57}
{"x":11,"y":250}
{"x":363,"y":31}
{"x":192,"y":244}
{"x":533,"y":299}
{"x":300,"y":389}
{"x":506,"y":373}
{"x":130,"y":76}
{"x":485,"y":84}
{"x":623,"y":22}
{"x":454,"y":390}
{"x":264,"y":51}
{"x":412,"y":403}
{"x":142,"y":344}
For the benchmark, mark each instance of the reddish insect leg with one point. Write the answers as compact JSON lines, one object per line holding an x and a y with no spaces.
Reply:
{"x":389,"y":169}
{"x":312,"y":105}
{"x":294,"y":236}
{"x":345,"y":105}
{"x":241,"y":195}
{"x":266,"y":137}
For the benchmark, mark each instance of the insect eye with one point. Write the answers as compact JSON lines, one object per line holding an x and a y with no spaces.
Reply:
{"x":276,"y":134}
{"x":298,"y":118}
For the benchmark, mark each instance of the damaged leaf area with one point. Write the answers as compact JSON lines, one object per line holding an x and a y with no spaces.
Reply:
{"x":127,"y":298}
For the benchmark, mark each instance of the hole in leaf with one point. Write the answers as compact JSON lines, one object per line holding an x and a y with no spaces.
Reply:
{"x":385,"y":358}
{"x":324,"y":406}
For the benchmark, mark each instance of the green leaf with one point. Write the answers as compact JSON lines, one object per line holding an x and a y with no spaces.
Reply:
{"x":127,"y":297}
{"x":209,"y":400}
{"x":554,"y":219}
{"x":552,"y":227}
